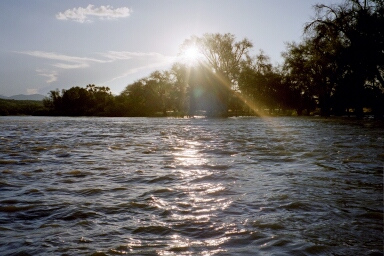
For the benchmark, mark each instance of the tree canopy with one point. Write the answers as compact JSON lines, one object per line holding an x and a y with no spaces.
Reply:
{"x":341,"y":61}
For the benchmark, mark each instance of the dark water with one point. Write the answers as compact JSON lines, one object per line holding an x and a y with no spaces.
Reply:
{"x":147,"y":186}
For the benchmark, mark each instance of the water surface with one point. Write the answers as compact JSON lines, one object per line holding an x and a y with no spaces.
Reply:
{"x":158,"y":186}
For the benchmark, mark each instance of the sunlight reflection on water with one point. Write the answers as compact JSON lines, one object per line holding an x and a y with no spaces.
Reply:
{"x":201,"y":207}
{"x":189,"y":156}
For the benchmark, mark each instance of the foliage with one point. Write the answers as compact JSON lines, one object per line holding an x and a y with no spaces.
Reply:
{"x":223,"y":54}
{"x":21,"y":107}
{"x":341,"y":61}
{"x":150,"y":95}
{"x":262,"y":85}
{"x":77,"y":101}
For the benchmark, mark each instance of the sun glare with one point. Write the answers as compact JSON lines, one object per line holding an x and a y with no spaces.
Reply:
{"x":191,"y":55}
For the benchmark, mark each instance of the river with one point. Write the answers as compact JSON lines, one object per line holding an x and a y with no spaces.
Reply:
{"x":168,"y":186}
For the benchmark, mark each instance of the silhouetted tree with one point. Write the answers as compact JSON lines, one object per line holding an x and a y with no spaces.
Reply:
{"x":312,"y":69}
{"x":150,"y":95}
{"x":223,"y":56}
{"x":77,"y":101}
{"x":261,"y":85}
{"x":53,"y":102}
{"x":180,"y":74}
{"x":354,"y":32}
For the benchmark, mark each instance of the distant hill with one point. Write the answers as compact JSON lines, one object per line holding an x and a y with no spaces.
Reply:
{"x":24,"y":97}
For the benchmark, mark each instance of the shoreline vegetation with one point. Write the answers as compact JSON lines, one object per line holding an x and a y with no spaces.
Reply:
{"x":337,"y":70}
{"x":10,"y":107}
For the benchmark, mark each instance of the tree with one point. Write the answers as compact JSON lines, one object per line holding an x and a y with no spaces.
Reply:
{"x":355,"y":31}
{"x":261,"y":85}
{"x":100,"y":100}
{"x":53,"y":102}
{"x":252,"y":81}
{"x":160,"y":86}
{"x":312,"y":71}
{"x":180,"y":74}
{"x":223,"y":56}
{"x":150,"y":95}
{"x":77,"y":101}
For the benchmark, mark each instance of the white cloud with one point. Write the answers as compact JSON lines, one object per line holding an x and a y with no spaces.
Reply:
{"x":125,"y":55}
{"x":71,"y":66}
{"x":71,"y":62}
{"x":82,"y":15}
{"x":51,"y":75}
{"x":113,"y":64}
{"x":74,"y":62}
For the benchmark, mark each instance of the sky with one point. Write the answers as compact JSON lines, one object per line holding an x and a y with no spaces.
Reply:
{"x":47,"y":45}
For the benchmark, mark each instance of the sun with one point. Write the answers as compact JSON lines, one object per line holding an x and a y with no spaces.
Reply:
{"x":191,"y":55}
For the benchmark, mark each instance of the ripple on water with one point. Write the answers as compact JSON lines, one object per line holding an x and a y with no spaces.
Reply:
{"x":237,"y":186}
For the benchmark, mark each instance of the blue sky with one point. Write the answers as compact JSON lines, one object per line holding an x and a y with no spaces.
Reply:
{"x":47,"y":45}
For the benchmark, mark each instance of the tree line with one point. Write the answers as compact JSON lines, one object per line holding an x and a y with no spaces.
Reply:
{"x":10,"y":107}
{"x":337,"y":69}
